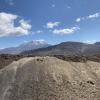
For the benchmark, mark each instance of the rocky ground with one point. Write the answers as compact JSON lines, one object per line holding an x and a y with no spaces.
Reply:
{"x":6,"y":59}
{"x":50,"y":78}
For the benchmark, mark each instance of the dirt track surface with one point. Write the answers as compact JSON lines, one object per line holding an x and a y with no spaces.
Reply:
{"x":49,"y":78}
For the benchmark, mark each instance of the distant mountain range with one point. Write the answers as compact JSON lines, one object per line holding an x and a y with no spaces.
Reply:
{"x":67,"y":49}
{"x":36,"y":44}
{"x":40,"y":48}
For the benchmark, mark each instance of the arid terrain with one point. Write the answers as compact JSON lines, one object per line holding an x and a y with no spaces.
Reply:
{"x":50,"y":78}
{"x":49,"y":49}
{"x":67,"y":71}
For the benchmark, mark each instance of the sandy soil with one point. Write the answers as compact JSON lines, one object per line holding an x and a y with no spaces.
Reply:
{"x":49,"y":78}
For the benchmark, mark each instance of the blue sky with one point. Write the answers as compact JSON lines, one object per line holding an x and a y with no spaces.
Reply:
{"x":54,"y":21}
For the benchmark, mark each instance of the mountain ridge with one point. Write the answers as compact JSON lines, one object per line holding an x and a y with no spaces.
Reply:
{"x":67,"y":48}
{"x":35,"y":44}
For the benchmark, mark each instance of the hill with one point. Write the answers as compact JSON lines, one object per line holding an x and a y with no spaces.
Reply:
{"x":49,"y":78}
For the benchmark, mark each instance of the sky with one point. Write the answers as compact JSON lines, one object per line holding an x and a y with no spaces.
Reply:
{"x":53,"y":21}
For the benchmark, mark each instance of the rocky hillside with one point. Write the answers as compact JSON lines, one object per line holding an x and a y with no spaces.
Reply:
{"x":49,"y":78}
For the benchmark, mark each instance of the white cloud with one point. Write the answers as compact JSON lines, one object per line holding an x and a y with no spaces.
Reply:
{"x":24,"y":24}
{"x":40,"y":40}
{"x":78,"y":19}
{"x":66,"y":31}
{"x":96,"y":15}
{"x":8,"y":28}
{"x":93,"y":16}
{"x":90,"y":41}
{"x":51,"y":25}
{"x":81,"y":19}
{"x":25,"y":41}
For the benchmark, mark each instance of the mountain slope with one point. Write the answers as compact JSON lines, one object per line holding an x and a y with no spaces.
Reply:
{"x":67,"y":49}
{"x":49,"y":78}
{"x":25,"y":47}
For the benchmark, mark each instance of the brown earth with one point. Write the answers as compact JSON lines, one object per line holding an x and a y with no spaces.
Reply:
{"x":50,"y":78}
{"x":6,"y":59}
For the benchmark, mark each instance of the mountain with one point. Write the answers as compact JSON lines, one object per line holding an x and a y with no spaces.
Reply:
{"x":97,"y":43}
{"x":25,"y":47}
{"x":67,"y":49}
{"x":49,"y":78}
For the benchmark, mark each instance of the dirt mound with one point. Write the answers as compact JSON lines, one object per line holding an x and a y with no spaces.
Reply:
{"x":49,"y":78}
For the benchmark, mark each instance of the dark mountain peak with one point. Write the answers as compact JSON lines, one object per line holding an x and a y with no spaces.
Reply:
{"x":72,"y":43}
{"x":97,"y":43}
